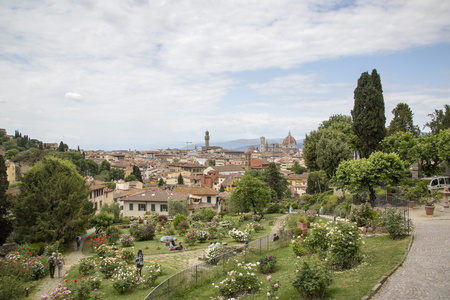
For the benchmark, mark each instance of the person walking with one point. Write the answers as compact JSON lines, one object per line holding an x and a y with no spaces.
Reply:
{"x":60,"y":264}
{"x":78,"y":240}
{"x":139,"y":262}
{"x":51,"y":264}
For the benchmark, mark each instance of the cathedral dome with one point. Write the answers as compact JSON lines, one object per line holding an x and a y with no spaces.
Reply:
{"x":289,"y":140}
{"x":251,"y":148}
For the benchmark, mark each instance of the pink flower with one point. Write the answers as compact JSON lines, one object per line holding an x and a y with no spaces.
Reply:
{"x":276,"y":285}
{"x":268,"y":277}
{"x":268,"y":294}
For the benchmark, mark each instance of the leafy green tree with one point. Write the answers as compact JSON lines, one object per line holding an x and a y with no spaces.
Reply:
{"x":256,"y":174}
{"x":276,"y":182}
{"x":137,"y":173}
{"x":90,"y":167}
{"x":368,"y":116}
{"x":440,"y":120}
{"x":5,"y":204}
{"x":221,"y":189}
{"x":10,"y":154}
{"x":429,"y":154}
{"x":404,"y":144}
{"x":103,"y":176}
{"x":297,"y":168}
{"x":130,"y":177}
{"x":403,"y":121}
{"x":309,"y":149}
{"x":180,"y":179}
{"x":211,"y":162}
{"x":444,"y":145}
{"x":113,"y":209}
{"x":101,"y":221}
{"x":111,"y":185}
{"x":177,"y":207}
{"x":53,"y":203}
{"x":62,"y":147}
{"x":332,"y":148}
{"x":341,"y":123}
{"x":116,"y":174}
{"x":317,"y":182}
{"x":104,"y":166}
{"x":362,"y":175}
{"x":250,"y":194}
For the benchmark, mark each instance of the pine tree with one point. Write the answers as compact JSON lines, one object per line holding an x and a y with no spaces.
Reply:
{"x":368,"y":114}
{"x":180,"y":179}
{"x":403,"y":120}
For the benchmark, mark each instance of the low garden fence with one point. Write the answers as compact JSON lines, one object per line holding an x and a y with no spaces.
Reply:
{"x":211,"y":269}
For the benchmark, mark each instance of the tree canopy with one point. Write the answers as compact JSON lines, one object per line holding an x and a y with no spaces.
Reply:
{"x":180,"y":179}
{"x":440,"y":120}
{"x":404,"y":144}
{"x":368,"y":114}
{"x":137,"y":173}
{"x":276,"y":182}
{"x":403,"y":121}
{"x":363,"y":174}
{"x":250,"y":194}
{"x":53,"y":200}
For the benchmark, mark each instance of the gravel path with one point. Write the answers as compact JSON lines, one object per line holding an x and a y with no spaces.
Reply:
{"x":425,"y":273}
{"x":48,"y":284}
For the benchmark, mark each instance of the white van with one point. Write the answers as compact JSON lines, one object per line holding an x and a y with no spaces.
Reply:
{"x":437,"y":182}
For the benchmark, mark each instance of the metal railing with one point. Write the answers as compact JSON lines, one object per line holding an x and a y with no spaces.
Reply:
{"x":211,"y":269}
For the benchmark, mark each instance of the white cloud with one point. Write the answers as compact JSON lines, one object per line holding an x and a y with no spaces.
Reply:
{"x":73,"y":96}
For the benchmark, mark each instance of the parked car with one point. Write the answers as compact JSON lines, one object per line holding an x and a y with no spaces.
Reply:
{"x":437,"y":182}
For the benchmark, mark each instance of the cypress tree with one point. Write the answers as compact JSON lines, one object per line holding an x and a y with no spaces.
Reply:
{"x":368,"y":115}
{"x":5,"y":222}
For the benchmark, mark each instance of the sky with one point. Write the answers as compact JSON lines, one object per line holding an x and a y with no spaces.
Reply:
{"x":145,"y":75}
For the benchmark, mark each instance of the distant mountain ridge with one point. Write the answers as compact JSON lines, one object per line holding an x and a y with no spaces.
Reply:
{"x":244,"y":144}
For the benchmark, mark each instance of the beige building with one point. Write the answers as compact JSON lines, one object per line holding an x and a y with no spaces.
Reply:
{"x":10,"y":172}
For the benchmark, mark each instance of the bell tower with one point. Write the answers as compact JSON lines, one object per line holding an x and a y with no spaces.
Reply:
{"x":207,"y":139}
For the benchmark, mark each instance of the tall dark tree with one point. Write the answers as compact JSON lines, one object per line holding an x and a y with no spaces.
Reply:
{"x":440,"y":120}
{"x":332,"y":148}
{"x":368,"y":114}
{"x":137,"y":172}
{"x":403,"y":120}
{"x":309,"y":149}
{"x":62,"y":147}
{"x":297,"y":168}
{"x":5,"y":204}
{"x":180,"y":179}
{"x":276,"y":182}
{"x":317,"y":182}
{"x":53,"y":203}
{"x":161,"y":182}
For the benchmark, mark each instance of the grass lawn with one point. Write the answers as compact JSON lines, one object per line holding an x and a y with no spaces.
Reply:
{"x":381,"y":254}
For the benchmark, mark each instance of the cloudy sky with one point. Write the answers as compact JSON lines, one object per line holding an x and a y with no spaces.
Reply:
{"x":138,"y":74}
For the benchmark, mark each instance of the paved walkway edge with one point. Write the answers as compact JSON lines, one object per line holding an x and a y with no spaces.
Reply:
{"x":383,"y":279}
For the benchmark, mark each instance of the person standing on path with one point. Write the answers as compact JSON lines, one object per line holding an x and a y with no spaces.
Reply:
{"x":60,"y":264}
{"x":78,"y":240}
{"x":51,"y":264}
{"x":139,"y":262}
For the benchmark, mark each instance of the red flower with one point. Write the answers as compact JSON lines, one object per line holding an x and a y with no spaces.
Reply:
{"x":65,"y":280}
{"x":82,"y":273}
{"x":74,"y":280}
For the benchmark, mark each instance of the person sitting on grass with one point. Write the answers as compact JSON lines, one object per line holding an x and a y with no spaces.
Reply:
{"x":167,"y":243}
{"x":180,"y":246}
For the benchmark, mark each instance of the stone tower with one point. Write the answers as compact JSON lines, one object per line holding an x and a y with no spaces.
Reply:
{"x":207,"y":139}
{"x":262,"y":146}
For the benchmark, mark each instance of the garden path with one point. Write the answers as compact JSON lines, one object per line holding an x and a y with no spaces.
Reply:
{"x":48,"y":284}
{"x":425,"y":274}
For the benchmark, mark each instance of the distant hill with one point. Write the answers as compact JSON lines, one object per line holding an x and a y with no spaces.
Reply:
{"x":243,"y":144}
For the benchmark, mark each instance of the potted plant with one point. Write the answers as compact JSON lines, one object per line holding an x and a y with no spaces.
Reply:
{"x":430,"y":200}
{"x":413,"y":192}
{"x":302,"y":223}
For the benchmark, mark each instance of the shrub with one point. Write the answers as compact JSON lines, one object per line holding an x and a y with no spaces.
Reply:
{"x":178,"y":218}
{"x":190,"y":238}
{"x":240,"y":280}
{"x":108,"y":266}
{"x":201,"y":235}
{"x":153,"y":271}
{"x":257,"y":226}
{"x":101,"y":221}
{"x":96,"y":242}
{"x":125,"y":279}
{"x":312,"y":278}
{"x":311,"y":215}
{"x":267,"y":264}
{"x":11,"y":287}
{"x":317,"y":239}
{"x":237,"y":235}
{"x":162,"y":219}
{"x":298,"y":249}
{"x":34,"y":249}
{"x":127,"y":254}
{"x":169,"y":231}
{"x":344,"y":245}
{"x":50,"y":248}
{"x":204,"y":215}
{"x":395,"y":223}
{"x":146,"y":232}
{"x":113,"y":237}
{"x":274,"y":208}
{"x":94,"y":281}
{"x":213,"y":255}
{"x":111,"y":229}
{"x":61,"y":292}
{"x":107,"y":251}
{"x":86,"y":266}
{"x":362,"y":214}
{"x":126,"y":240}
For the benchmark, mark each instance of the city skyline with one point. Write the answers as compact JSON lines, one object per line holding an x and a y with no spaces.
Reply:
{"x":151,"y":74}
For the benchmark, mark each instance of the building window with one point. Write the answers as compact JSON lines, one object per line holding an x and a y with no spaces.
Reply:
{"x":142,"y":207}
{"x":153,"y":208}
{"x":208,"y":199}
{"x":131,"y":206}
{"x":95,"y":205}
{"x":163,"y":207}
